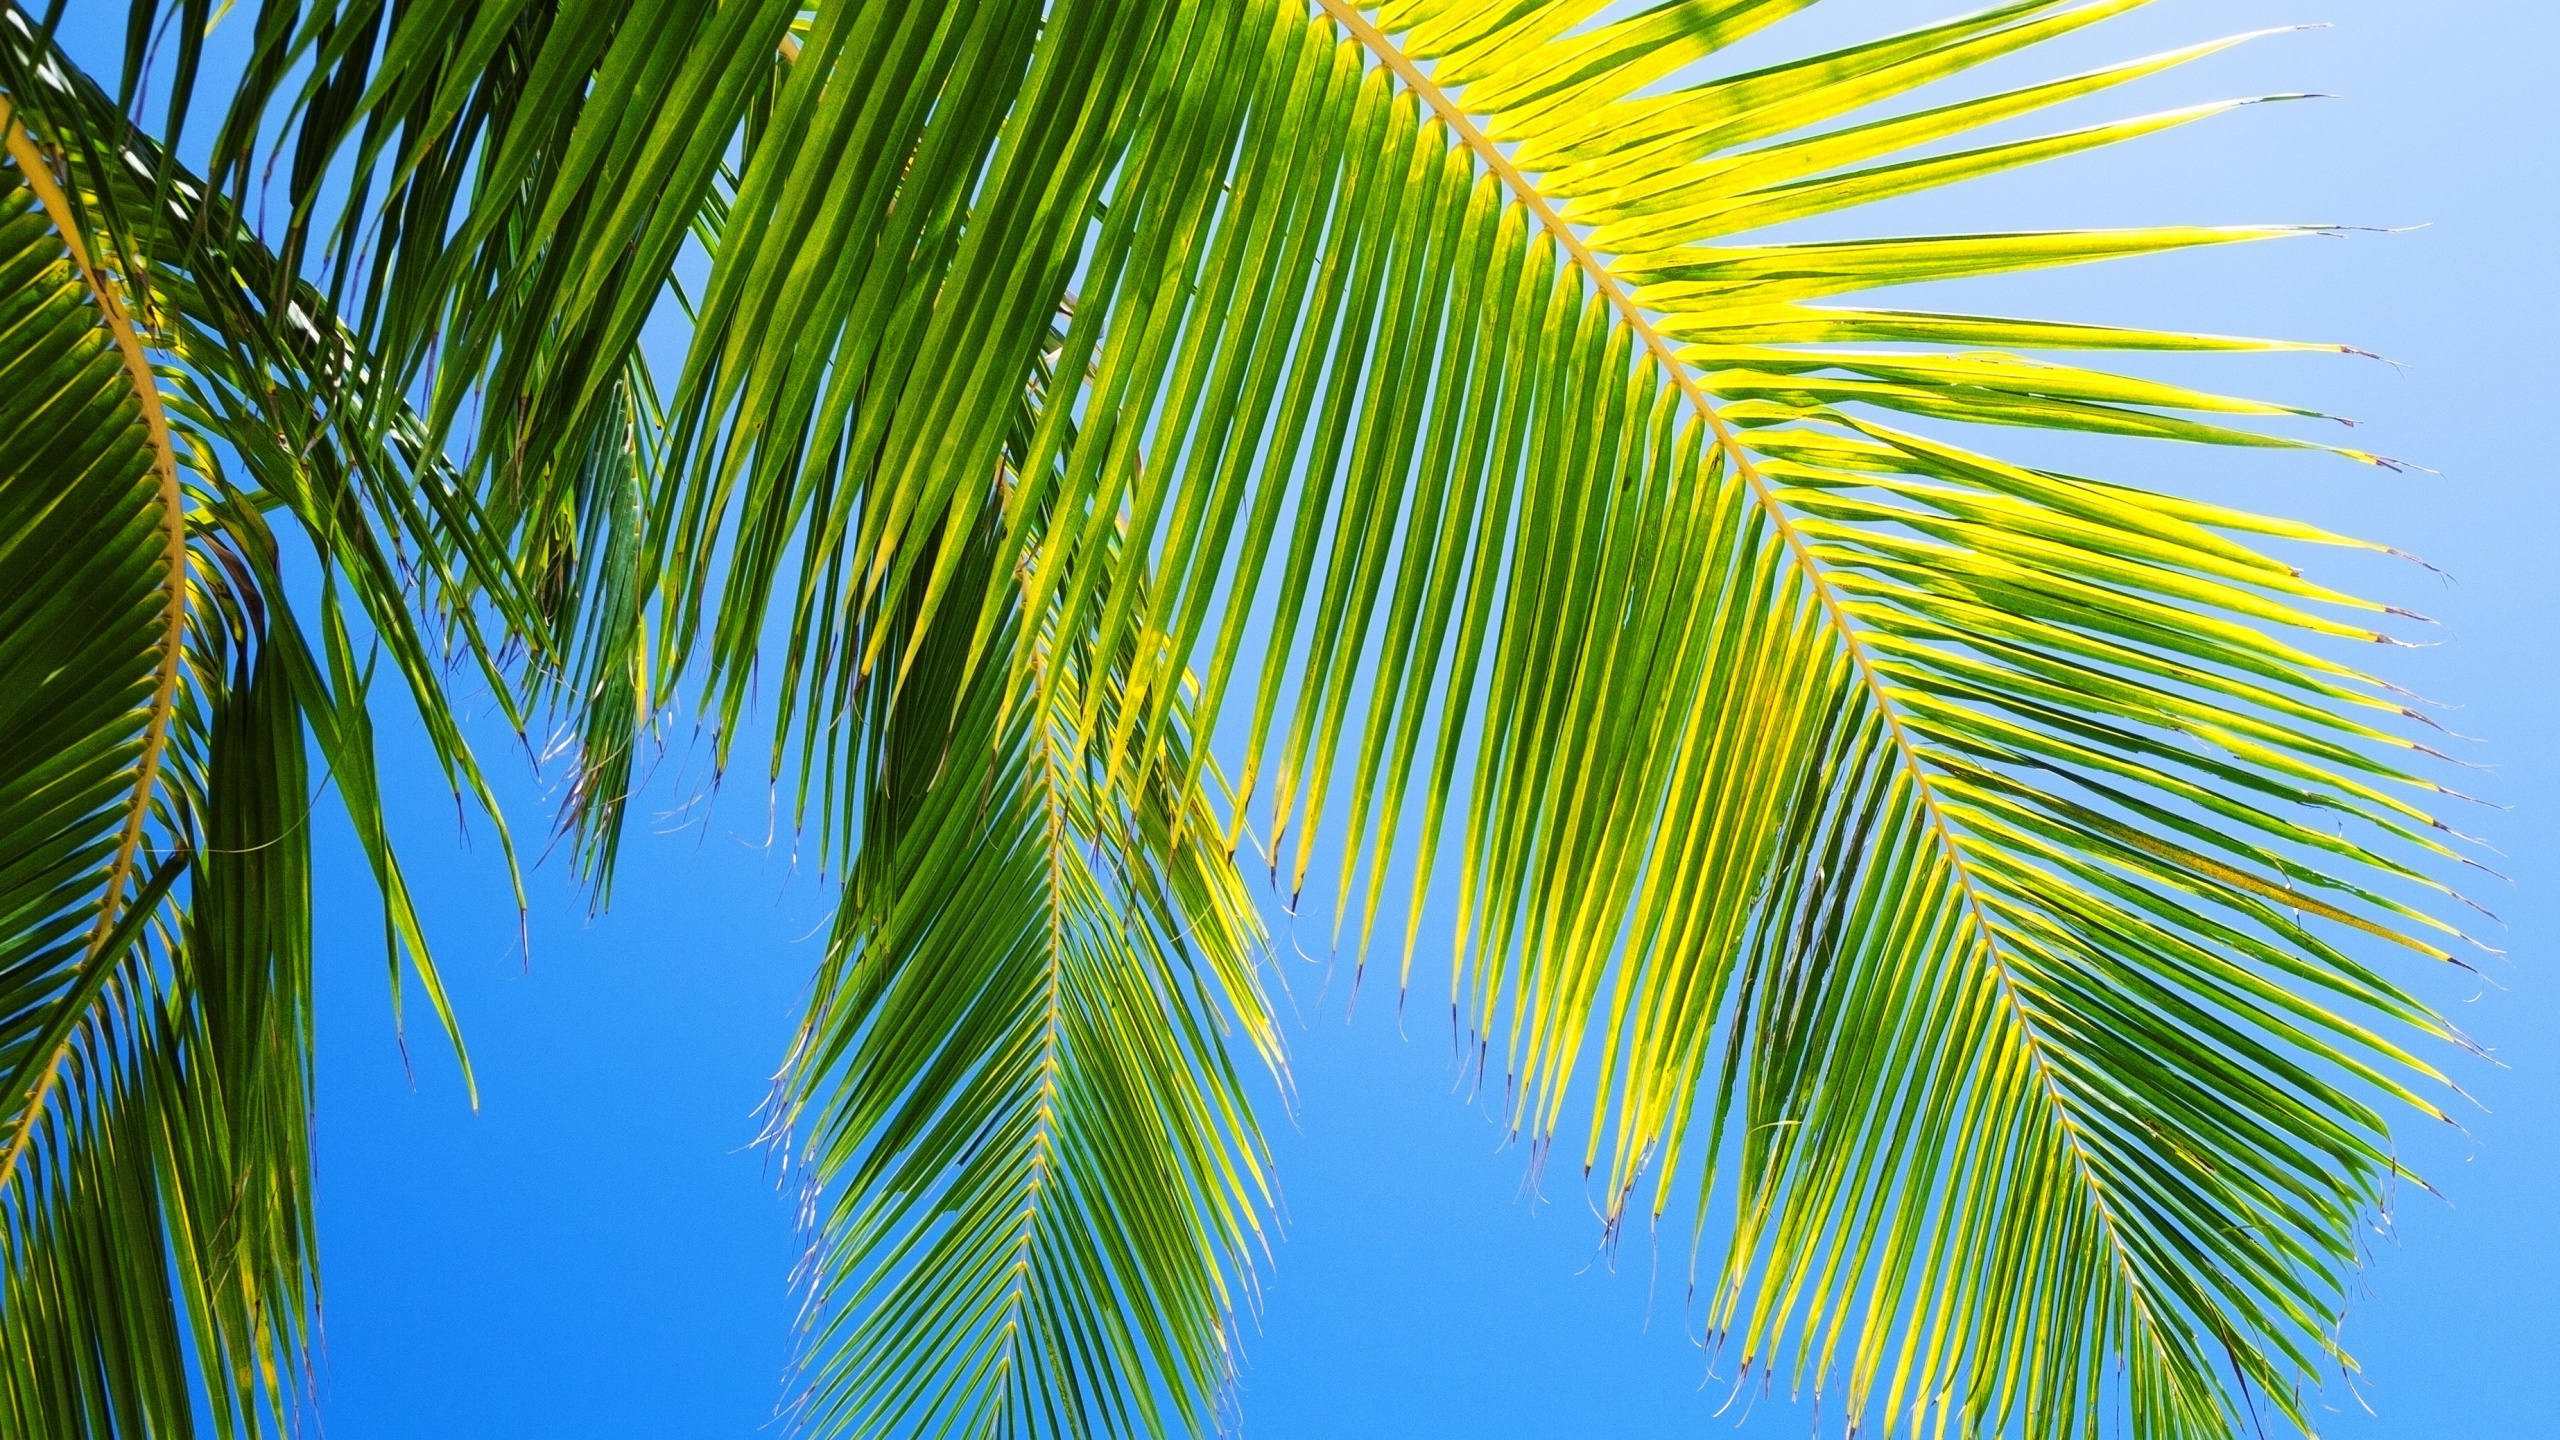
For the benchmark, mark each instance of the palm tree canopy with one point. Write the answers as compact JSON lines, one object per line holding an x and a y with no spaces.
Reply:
{"x":1971,"y":893}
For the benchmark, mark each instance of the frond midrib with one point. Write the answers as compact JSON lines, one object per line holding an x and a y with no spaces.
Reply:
{"x":1461,"y":125}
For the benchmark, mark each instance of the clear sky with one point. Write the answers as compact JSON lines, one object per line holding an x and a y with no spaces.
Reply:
{"x":601,"y":1249}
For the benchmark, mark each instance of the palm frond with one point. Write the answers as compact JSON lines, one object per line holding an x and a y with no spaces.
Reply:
{"x":1041,"y":1177}
{"x":156,"y":1243}
{"x":153,"y":1042}
{"x":255,"y":371}
{"x":1915,"y":833}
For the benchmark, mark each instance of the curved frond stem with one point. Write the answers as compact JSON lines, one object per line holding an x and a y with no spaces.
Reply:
{"x":1641,"y":325}
{"x":32,"y":163}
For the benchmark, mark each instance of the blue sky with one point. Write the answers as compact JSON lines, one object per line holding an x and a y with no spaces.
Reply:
{"x":602,"y":1250}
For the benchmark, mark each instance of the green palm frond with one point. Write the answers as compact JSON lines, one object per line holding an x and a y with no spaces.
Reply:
{"x":156,"y":1244}
{"x":155,"y":1172}
{"x":1042,"y":1178}
{"x":255,"y":372}
{"x":1959,"y":881}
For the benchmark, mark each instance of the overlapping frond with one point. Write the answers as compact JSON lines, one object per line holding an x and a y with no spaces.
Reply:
{"x":1040,"y":1178}
{"x":1969,"y":870}
{"x":154,"y":1174}
{"x":156,"y":1245}
{"x":270,"y":402}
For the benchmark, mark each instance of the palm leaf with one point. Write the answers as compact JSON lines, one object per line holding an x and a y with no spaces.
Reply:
{"x":1899,"y":845}
{"x":155,"y":1175}
{"x":1042,"y":1177}
{"x":156,"y":1242}
{"x":256,"y":372}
